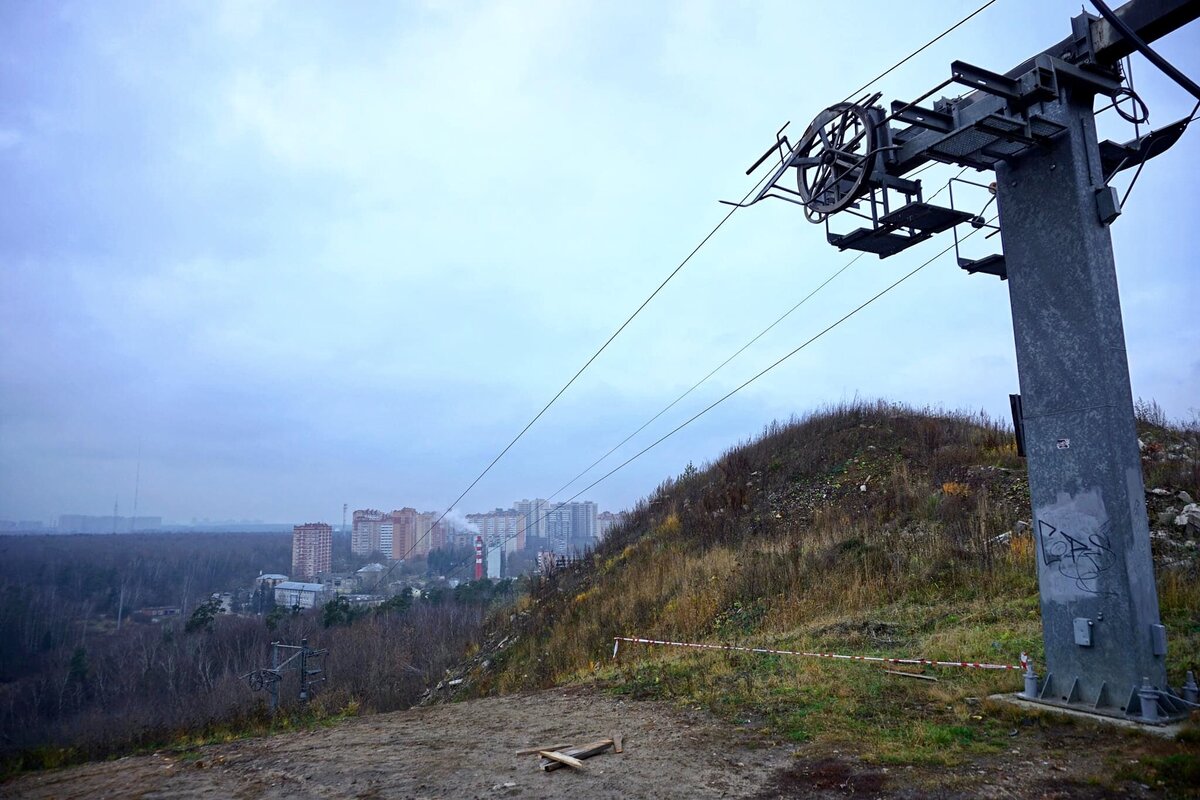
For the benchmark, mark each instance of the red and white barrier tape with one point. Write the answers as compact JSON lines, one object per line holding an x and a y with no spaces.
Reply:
{"x":928,"y":662}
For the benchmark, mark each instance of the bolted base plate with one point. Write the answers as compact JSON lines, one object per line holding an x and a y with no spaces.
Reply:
{"x":1167,"y":730}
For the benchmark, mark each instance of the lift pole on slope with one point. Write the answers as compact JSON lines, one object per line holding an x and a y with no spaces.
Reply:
{"x":1035,"y":127}
{"x":309,"y":663}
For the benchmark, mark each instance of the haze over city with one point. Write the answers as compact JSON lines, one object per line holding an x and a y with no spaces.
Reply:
{"x":286,"y":258}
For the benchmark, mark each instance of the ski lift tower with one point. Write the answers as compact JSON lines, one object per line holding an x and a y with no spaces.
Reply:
{"x":1034,"y":126}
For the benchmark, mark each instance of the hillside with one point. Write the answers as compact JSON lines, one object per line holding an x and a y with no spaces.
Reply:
{"x":867,"y":529}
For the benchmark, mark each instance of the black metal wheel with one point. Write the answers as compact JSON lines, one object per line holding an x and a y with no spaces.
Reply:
{"x":833,"y":159}
{"x":256,"y":680}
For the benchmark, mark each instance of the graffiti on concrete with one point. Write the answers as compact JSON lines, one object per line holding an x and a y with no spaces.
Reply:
{"x":1083,"y":560}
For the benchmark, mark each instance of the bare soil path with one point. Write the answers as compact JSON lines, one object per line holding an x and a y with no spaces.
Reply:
{"x":467,"y":750}
{"x":463,"y":750}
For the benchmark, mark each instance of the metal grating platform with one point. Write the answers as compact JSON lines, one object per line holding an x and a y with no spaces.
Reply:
{"x":880,"y":241}
{"x":992,"y":139}
{"x":900,"y":229}
{"x":924,"y":217}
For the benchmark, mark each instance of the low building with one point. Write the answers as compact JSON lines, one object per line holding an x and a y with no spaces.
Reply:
{"x":364,"y":600}
{"x":157,"y":613}
{"x":369,"y":576}
{"x":290,"y":594}
{"x":340,"y":584}
{"x":269,"y":580}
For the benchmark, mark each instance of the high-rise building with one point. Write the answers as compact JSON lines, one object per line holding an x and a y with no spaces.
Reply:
{"x":558,"y":528}
{"x":312,"y":549}
{"x":438,"y":531}
{"x":427,"y":533}
{"x":404,"y":533}
{"x":606,"y":521}
{"x":571,"y":526}
{"x":385,"y":537}
{"x":535,"y":512}
{"x":365,"y":537}
{"x":583,"y":523}
{"x":504,"y":527}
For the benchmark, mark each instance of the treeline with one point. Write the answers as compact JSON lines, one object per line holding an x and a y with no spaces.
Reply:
{"x":55,"y":591}
{"x":148,"y":685}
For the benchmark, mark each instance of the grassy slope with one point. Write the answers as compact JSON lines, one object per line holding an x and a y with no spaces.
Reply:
{"x":866,"y":529}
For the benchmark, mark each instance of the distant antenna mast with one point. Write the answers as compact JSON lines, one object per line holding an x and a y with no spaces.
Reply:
{"x":137,"y":480}
{"x":115,"y":501}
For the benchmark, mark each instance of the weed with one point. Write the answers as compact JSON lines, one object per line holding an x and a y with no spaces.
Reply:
{"x":1177,"y":773}
{"x":866,"y":529}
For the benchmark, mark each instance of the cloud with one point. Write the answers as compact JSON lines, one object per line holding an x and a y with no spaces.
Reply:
{"x":306,"y":254}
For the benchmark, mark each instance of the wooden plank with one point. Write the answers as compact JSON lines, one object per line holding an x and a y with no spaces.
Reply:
{"x":529,"y":751}
{"x":583,"y":751}
{"x":910,"y":675}
{"x":618,"y":744}
{"x":574,"y":763}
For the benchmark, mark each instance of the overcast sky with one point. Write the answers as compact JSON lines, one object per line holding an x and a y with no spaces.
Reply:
{"x":300,"y":254}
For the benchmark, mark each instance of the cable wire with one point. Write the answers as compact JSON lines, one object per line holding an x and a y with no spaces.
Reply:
{"x":660,"y":287}
{"x":760,"y":374}
{"x":573,"y":378}
{"x":919,"y":50}
{"x":1150,"y":54}
{"x":713,"y":372}
{"x":746,"y":383}
{"x":724,"y":363}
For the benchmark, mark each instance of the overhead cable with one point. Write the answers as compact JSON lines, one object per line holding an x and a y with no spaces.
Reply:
{"x":918,"y":51}
{"x":711,"y":373}
{"x":575,"y":377}
{"x":1151,"y":55}
{"x":753,"y":378}
{"x":763,"y":372}
{"x":667,"y":280}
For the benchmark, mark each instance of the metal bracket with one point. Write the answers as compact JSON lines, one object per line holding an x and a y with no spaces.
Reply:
{"x":927,"y":118}
{"x":1105,"y":82}
{"x":1116,"y":157}
{"x":985,"y":80}
{"x":1083,"y":48}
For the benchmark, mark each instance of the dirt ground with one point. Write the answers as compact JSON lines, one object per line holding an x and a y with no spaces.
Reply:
{"x":467,"y":750}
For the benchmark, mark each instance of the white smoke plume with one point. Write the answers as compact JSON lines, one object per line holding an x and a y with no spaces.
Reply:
{"x":459,"y":521}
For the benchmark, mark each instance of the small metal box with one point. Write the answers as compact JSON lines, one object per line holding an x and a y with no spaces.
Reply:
{"x":1083,"y":632}
{"x":1158,"y":640}
{"x":1108,"y":204}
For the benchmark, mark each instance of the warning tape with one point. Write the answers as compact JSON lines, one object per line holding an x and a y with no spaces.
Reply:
{"x":928,"y":662}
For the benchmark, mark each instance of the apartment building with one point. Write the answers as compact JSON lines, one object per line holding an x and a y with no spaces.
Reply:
{"x":312,"y":549}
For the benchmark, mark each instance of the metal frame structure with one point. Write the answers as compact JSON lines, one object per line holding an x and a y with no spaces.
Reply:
{"x":1034,"y":126}
{"x":306,"y":661}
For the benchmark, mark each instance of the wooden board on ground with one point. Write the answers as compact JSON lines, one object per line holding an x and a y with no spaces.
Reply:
{"x":561,"y":759}
{"x":529,"y":751}
{"x":575,"y":753}
{"x":910,"y":674}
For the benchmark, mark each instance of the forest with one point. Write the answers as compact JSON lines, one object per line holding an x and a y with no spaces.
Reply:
{"x":83,"y":675}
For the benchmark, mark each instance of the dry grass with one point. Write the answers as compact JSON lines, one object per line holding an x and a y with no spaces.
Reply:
{"x":866,"y":529}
